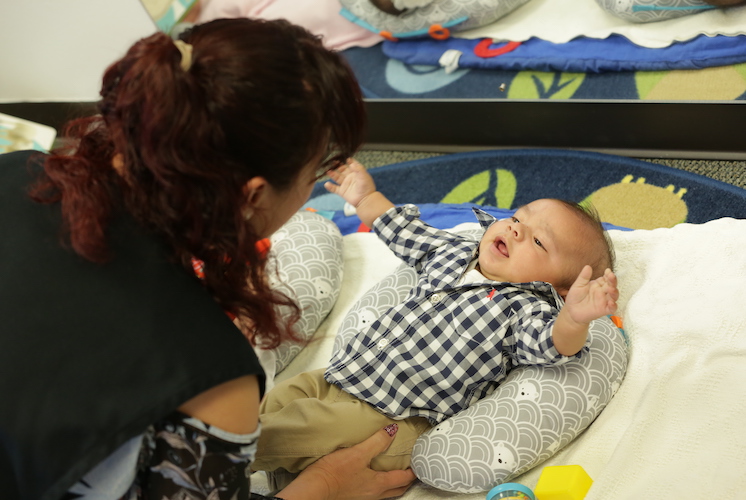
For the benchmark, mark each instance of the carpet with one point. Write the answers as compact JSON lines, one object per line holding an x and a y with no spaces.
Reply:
{"x":383,"y":77}
{"x":626,"y":192}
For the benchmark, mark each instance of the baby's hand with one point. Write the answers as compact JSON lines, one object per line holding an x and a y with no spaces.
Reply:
{"x":588,"y":300}
{"x":352,"y":182}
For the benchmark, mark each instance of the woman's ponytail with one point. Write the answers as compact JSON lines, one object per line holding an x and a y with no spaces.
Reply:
{"x":188,"y":124}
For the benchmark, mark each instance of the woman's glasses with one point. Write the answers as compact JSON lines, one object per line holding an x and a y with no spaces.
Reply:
{"x":332,"y":161}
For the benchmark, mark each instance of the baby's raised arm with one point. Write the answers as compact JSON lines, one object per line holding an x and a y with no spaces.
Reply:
{"x":586,"y":300}
{"x":353,"y":183}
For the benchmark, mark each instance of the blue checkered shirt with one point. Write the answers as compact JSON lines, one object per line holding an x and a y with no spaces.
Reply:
{"x":447,"y":344}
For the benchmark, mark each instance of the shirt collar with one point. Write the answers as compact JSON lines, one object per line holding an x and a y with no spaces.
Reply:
{"x":485,"y":220}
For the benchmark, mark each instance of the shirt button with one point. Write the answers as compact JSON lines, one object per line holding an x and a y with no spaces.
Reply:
{"x":435,"y":298}
{"x":382,"y":344}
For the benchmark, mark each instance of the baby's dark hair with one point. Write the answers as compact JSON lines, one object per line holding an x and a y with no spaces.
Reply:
{"x":725,"y":3}
{"x":386,"y":6}
{"x":601,"y":255}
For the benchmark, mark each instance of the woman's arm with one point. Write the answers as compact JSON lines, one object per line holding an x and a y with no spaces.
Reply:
{"x":183,"y":455}
{"x":342,"y":475}
{"x":232,"y":406}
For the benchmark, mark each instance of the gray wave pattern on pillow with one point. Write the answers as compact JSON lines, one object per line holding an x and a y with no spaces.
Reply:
{"x":479,"y":13}
{"x":532,"y":415}
{"x":387,"y":293}
{"x":306,"y":254}
{"x":660,"y":10}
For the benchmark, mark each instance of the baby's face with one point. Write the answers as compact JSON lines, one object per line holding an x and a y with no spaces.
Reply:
{"x":541,"y":242}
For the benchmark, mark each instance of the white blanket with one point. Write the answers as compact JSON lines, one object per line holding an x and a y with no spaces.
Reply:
{"x":676,"y":427}
{"x":559,"y":21}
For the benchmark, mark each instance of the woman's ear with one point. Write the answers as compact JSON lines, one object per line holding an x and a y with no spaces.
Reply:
{"x":255,"y":193}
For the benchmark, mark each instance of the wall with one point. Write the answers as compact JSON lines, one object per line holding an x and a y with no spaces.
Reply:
{"x":57,"y":50}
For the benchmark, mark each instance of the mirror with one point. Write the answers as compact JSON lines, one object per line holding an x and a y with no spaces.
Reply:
{"x":167,"y":14}
{"x":681,"y":113}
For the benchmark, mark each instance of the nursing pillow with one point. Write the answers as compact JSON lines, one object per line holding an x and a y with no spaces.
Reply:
{"x":534,"y":413}
{"x":436,"y":18}
{"x":646,"y":11}
{"x":305,"y":263}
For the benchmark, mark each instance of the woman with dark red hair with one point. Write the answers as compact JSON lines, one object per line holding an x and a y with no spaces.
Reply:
{"x":124,"y":375}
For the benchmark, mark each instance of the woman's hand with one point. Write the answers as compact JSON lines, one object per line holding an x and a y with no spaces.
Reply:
{"x":346,"y":474}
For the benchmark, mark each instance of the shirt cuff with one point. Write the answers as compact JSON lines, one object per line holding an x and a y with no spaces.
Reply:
{"x":393,"y":217}
{"x":554,"y":356}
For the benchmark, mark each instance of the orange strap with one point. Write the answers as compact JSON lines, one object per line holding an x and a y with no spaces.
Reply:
{"x":388,"y":36}
{"x":438,"y":32}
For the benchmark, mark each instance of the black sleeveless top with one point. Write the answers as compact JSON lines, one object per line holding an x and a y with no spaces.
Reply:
{"x":91,"y":354}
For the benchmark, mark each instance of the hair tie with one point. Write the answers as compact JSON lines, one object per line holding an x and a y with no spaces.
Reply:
{"x":186,"y":54}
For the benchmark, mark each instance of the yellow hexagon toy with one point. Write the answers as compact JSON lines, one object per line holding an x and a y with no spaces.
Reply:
{"x":563,"y":482}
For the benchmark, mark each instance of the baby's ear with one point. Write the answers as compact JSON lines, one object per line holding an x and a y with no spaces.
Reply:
{"x":563,"y":288}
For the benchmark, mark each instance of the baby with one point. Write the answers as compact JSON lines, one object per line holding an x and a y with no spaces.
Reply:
{"x":522,"y":295}
{"x":320,"y":17}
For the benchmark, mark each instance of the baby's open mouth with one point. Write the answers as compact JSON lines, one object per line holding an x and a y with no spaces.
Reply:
{"x":501,"y":247}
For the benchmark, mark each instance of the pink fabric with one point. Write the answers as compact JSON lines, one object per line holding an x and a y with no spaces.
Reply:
{"x":320,"y":17}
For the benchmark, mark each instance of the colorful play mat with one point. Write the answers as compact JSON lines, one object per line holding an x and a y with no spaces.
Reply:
{"x":626,"y":192}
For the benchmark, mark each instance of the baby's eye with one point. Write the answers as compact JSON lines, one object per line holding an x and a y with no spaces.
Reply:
{"x":536,"y":240}
{"x":514,"y":219}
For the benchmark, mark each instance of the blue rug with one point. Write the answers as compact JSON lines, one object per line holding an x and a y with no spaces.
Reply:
{"x":580,"y":55}
{"x":627,"y":192}
{"x":381,"y":76}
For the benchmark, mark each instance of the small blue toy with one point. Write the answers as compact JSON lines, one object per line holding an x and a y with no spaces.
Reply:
{"x":511,"y":491}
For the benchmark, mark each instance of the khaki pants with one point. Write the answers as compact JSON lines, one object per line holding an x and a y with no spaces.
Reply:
{"x":306,"y":418}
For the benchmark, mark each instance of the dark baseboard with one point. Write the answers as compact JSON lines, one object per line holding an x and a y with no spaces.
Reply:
{"x":677,"y":129}
{"x":53,"y":114}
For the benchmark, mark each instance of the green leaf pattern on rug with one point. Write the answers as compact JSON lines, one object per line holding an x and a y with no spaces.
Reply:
{"x":646,"y":81}
{"x":495,"y":188}
{"x":544,"y":85}
{"x":741,"y":69}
